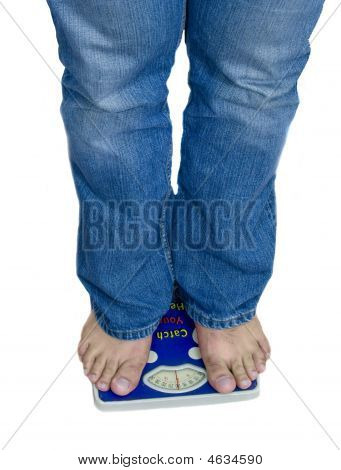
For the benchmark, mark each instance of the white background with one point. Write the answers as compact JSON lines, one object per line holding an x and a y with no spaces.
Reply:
{"x":43,"y":305}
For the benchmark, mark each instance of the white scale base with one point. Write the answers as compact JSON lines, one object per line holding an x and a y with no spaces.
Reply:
{"x":175,"y":401}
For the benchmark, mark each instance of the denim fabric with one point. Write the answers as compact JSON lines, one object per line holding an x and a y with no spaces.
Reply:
{"x":246,"y":57}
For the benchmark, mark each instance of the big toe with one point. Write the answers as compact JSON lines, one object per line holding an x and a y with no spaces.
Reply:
{"x":219,"y":376}
{"x":127,"y":377}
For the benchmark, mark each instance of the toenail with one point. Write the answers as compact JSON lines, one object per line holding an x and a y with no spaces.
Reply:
{"x":262,"y":367}
{"x":92,"y":377}
{"x":102,"y":386}
{"x":224,"y":381}
{"x":123,"y":384}
{"x":245,"y":383}
{"x":253,"y":373}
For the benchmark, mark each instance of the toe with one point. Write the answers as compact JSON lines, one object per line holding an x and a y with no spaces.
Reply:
{"x":108,"y":373}
{"x":260,"y":360}
{"x":82,"y":347}
{"x":240,"y":375}
{"x":264,"y":345}
{"x":219,"y":376}
{"x":88,"y":359}
{"x":256,"y":330}
{"x":127,"y":377}
{"x":97,"y":369}
{"x":250,"y":367}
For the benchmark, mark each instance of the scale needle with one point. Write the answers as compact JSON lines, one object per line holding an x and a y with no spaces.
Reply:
{"x":177,"y":381}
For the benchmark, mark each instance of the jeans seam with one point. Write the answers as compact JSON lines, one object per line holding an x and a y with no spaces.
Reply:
{"x":165,"y":241}
{"x":270,"y":213}
{"x":271,"y":216}
{"x":183,"y":22}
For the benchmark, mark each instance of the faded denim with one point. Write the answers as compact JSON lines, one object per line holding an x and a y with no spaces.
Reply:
{"x":245,"y":59}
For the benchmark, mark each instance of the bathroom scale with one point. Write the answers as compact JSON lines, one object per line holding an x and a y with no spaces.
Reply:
{"x":175,"y":374}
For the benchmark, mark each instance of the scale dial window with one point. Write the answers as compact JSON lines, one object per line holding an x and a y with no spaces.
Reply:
{"x":175,"y":379}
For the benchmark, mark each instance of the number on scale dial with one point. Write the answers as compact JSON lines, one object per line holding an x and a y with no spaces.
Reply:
{"x":176,"y":379}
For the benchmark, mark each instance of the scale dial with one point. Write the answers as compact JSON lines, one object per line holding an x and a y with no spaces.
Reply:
{"x":175,"y":379}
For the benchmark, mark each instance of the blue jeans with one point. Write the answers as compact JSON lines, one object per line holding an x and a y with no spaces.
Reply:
{"x":216,"y":237}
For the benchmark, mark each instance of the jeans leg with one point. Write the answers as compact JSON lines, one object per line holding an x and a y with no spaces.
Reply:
{"x":246,"y":57}
{"x":117,"y":56}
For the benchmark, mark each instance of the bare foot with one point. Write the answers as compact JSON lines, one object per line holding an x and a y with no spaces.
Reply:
{"x":233,"y":356}
{"x":110,"y":362}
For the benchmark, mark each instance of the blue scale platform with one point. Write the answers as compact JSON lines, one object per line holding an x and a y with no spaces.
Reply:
{"x":175,"y":374}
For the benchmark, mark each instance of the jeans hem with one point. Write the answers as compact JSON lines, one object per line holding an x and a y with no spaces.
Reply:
{"x":128,"y":334}
{"x":219,"y":324}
